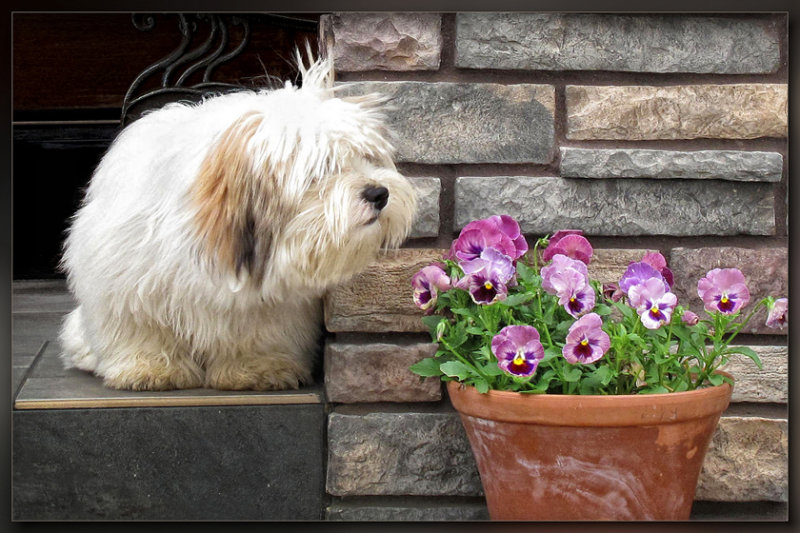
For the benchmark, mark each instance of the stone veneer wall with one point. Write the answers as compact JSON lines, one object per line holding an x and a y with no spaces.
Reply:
{"x":648,"y":132}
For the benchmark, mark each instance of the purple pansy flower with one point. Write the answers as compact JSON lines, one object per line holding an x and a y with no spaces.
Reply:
{"x":499,"y":231}
{"x":778,"y":314}
{"x":690,"y":318}
{"x":638,"y":273}
{"x":427,"y":283}
{"x":487,"y":276}
{"x":723,"y":290}
{"x":568,"y":279}
{"x":652,"y":302}
{"x":518,"y":350}
{"x":569,"y":242}
{"x":657,"y":261}
{"x":586,"y":340}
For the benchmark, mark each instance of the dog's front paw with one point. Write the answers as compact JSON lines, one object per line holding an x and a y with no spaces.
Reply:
{"x":149,"y":374}
{"x":265,"y":372}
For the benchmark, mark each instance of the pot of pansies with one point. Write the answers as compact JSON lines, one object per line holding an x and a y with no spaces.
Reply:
{"x":581,"y":401}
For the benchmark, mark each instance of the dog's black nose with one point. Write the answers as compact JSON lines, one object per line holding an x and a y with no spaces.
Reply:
{"x":378,"y":196}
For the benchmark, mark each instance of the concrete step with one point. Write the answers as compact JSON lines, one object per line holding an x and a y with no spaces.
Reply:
{"x":85,"y":452}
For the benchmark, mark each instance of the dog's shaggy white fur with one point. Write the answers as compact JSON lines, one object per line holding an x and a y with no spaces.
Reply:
{"x":210,"y":232}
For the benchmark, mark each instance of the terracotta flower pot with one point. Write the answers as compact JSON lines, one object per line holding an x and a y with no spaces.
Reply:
{"x":554,"y":457}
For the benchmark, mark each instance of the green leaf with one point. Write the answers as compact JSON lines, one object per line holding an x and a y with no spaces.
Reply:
{"x":572,"y":374}
{"x":626,"y":311}
{"x":748,"y":352}
{"x":456,"y":369}
{"x":491,"y":369}
{"x":427,"y":367}
{"x":603,"y":310}
{"x":655,"y":389}
{"x":715,"y":379}
{"x":516,"y":299}
{"x":481,"y":385}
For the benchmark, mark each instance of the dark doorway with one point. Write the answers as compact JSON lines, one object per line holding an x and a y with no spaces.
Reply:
{"x":71,"y":73}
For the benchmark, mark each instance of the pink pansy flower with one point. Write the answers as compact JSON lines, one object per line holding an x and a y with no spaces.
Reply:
{"x":652,"y":302}
{"x":586,"y":340}
{"x":569,"y":242}
{"x":499,"y":231}
{"x":518,"y":350}
{"x":427,"y":283}
{"x":637,"y":273}
{"x":568,"y":279}
{"x":657,"y":261}
{"x":487,"y":277}
{"x":723,"y":290}
{"x":778,"y":314}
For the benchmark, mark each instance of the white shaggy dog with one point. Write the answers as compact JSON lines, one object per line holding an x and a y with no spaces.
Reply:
{"x":209,"y":233}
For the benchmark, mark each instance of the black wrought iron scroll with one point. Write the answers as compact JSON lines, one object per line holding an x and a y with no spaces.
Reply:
{"x":186,"y":59}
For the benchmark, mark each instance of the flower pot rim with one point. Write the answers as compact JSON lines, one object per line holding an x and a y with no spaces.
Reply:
{"x":590,"y":410}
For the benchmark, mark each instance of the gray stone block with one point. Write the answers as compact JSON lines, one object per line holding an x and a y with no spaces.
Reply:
{"x":190,"y":463}
{"x":440,"y":123}
{"x":422,"y":454}
{"x":426,"y":223}
{"x":667,"y":164}
{"x":619,"y":207}
{"x":627,"y":43}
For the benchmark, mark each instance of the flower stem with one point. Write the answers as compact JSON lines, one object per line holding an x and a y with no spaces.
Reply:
{"x":464,"y":360}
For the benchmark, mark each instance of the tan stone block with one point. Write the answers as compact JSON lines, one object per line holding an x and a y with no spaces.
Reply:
{"x":380,"y":298}
{"x":383,"y":41}
{"x":768,"y":385}
{"x":735,"y":111}
{"x":746,"y":461}
{"x":766,"y":271}
{"x":378,"y":372}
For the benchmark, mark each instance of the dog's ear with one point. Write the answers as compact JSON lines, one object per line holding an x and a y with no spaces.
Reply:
{"x":231,"y":198}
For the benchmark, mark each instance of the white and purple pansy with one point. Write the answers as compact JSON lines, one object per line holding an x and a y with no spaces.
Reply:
{"x":427,"y":284}
{"x":500,"y":232}
{"x":652,"y":302}
{"x":518,"y":350}
{"x":723,"y":290}
{"x":778,"y":313}
{"x":568,"y":279}
{"x":637,"y":273}
{"x":586,"y":340}
{"x":486,"y":277}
